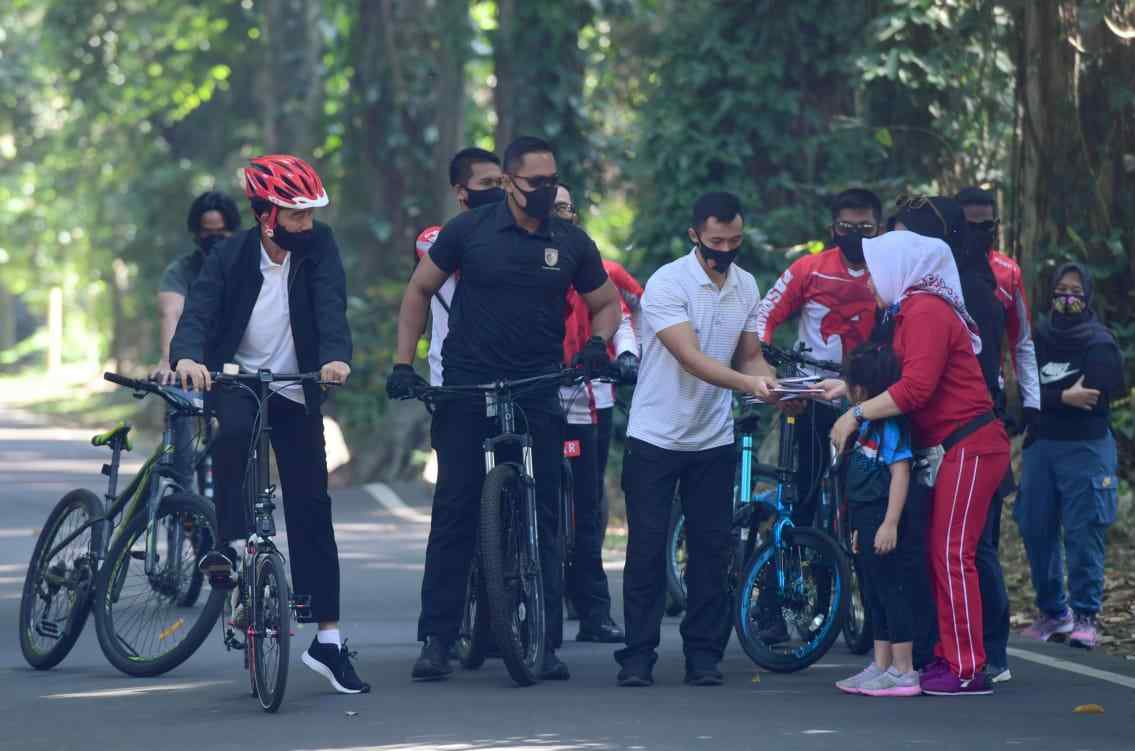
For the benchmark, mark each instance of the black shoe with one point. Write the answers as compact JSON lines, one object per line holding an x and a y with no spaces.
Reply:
{"x":703,"y":675}
{"x":605,"y":633}
{"x":433,"y":664}
{"x":334,"y":664}
{"x":554,"y":668}
{"x":635,"y":675}
{"x":219,"y":567}
{"x":777,"y":633}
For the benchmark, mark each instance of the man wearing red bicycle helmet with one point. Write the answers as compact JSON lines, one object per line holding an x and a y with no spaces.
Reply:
{"x":274,"y":297}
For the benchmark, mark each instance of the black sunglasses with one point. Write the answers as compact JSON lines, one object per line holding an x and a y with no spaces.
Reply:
{"x":539,"y":182}
{"x":863,"y":228}
{"x":989,"y":225}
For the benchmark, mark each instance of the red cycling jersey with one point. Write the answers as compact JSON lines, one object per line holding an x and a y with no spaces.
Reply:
{"x":1018,"y":327}
{"x":836,"y":306}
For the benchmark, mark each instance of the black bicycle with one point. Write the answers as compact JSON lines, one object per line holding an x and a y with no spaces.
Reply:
{"x":263,"y":613}
{"x":133,"y":561}
{"x":505,"y":575}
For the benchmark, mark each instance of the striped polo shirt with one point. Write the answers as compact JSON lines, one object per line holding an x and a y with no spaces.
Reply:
{"x":671,"y":408}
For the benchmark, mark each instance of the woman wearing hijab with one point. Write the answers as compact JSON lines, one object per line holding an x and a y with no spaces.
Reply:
{"x":1068,"y":476}
{"x":943,"y":394}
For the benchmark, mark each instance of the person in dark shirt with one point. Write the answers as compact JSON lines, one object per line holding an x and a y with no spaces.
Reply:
{"x":1068,"y":474}
{"x":517,"y":262}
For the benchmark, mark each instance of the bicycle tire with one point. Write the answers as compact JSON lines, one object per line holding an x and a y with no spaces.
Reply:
{"x":475,"y":634}
{"x":675,"y":571}
{"x":831,"y":558}
{"x":79,"y":603}
{"x":272,"y":624}
{"x":503,"y":544}
{"x":857,"y":632}
{"x":184,"y":508}
{"x":204,"y":541}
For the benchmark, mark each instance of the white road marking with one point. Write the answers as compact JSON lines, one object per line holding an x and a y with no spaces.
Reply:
{"x":1071,"y":667}
{"x":385,"y":495}
{"x":109,"y":693}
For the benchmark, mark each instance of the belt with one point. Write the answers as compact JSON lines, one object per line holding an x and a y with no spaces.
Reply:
{"x":967,"y":430}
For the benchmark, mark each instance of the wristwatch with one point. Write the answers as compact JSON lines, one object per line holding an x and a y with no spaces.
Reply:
{"x":857,"y":413}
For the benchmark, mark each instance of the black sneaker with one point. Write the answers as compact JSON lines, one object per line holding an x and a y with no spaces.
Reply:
{"x":703,"y":675}
{"x":604,"y":633}
{"x":637,"y":671}
{"x":777,"y":633}
{"x":433,"y":664}
{"x":219,"y":567}
{"x":334,"y":664}
{"x":554,"y":668}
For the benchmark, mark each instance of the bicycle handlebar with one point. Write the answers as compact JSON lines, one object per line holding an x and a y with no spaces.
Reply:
{"x":779,"y":357}
{"x":267,"y":376}
{"x":151,"y":387}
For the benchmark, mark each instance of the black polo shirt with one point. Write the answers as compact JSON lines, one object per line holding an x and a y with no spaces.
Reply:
{"x":507,"y":316}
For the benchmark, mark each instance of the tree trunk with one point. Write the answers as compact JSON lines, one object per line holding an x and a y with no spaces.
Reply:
{"x":290,"y":88}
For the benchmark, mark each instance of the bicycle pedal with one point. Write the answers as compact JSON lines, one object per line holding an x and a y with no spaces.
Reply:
{"x":301,"y":606}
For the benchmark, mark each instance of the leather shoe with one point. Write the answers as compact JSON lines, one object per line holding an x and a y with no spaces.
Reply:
{"x":704,"y":675}
{"x":605,"y":633}
{"x":635,"y":676}
{"x":433,"y":664}
{"x":554,"y":668}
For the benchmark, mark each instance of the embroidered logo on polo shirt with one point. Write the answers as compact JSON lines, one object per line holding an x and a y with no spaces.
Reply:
{"x":551,"y":256}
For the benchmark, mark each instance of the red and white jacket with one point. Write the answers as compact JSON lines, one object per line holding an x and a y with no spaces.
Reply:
{"x":439,"y":306}
{"x":1018,"y":325}
{"x":581,"y":402}
{"x":836,"y":305}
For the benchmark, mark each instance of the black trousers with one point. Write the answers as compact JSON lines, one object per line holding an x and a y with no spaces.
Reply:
{"x":458,"y":431}
{"x":886,"y":579}
{"x":813,"y":454}
{"x":991,"y":580}
{"x":704,"y":480}
{"x":916,"y":526}
{"x":301,"y":457}
{"x":585,"y":582}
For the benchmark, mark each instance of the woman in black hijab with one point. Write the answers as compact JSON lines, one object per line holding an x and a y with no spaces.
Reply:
{"x":1068,"y":475}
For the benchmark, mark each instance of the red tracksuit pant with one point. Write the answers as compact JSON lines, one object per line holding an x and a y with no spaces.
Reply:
{"x":970,"y":473}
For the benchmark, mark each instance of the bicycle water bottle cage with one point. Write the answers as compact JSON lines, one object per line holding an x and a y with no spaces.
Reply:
{"x":120,"y":433}
{"x":301,"y":606}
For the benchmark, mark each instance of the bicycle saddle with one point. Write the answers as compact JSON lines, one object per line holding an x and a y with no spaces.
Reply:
{"x":107,"y":438}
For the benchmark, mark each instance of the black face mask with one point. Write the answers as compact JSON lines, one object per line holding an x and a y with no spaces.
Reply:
{"x":478,"y":198}
{"x":982,"y":240}
{"x":208,"y":242}
{"x":722,"y":259}
{"x":538,"y":203}
{"x":293,"y":242}
{"x":851,"y":245}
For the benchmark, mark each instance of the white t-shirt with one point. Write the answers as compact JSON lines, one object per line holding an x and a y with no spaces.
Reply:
{"x":439,"y":329}
{"x":267,"y":342}
{"x":673,"y":409}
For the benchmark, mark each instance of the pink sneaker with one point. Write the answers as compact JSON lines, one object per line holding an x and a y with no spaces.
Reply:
{"x":1045,"y":626}
{"x":1085,"y":632}
{"x":948,"y":684}
{"x":892,"y":683}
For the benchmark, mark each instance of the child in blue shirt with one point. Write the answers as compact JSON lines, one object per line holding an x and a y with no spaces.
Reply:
{"x":878,"y":477}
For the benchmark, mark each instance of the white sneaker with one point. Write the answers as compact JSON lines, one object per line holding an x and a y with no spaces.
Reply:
{"x":852,"y":685}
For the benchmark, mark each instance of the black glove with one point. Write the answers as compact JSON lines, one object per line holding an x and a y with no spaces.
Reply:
{"x":594,"y":358}
{"x":627,"y":366}
{"x":403,"y":382}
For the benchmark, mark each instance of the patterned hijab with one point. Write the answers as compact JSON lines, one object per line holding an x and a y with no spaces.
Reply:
{"x":902,"y":263}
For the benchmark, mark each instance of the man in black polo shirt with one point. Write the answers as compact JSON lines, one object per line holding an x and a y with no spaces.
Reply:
{"x":506,"y":321}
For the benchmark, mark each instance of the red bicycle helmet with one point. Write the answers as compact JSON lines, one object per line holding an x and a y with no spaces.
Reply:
{"x":284,"y":181}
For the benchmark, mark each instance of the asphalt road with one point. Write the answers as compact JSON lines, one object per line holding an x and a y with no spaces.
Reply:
{"x":205,"y":703}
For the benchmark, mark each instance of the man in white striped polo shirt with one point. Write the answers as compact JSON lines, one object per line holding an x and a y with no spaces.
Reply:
{"x":699,"y":344}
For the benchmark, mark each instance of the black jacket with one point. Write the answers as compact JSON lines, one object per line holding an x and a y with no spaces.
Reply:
{"x":221,"y":300}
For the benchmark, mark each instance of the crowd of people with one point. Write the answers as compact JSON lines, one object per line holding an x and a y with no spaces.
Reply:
{"x":916,"y":305}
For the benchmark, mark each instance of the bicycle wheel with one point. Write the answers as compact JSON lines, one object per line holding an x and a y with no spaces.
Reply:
{"x":143,"y":626}
{"x":57,"y":589}
{"x":676,"y":562}
{"x":812,"y":606}
{"x":473,"y":638}
{"x":201,"y":539}
{"x":857,"y":633}
{"x":272,"y":631}
{"x":512,"y":575}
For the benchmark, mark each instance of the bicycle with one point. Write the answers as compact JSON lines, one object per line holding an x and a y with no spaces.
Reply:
{"x":265,"y":601}
{"x":505,"y":574}
{"x":87,"y":552}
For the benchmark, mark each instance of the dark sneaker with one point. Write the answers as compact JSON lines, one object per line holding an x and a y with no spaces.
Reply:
{"x":604,"y":633}
{"x":334,"y":664}
{"x":635,"y":675}
{"x":948,"y":684}
{"x":433,"y":664}
{"x":777,"y":633}
{"x":554,"y":668}
{"x":703,"y":675}
{"x":219,"y":567}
